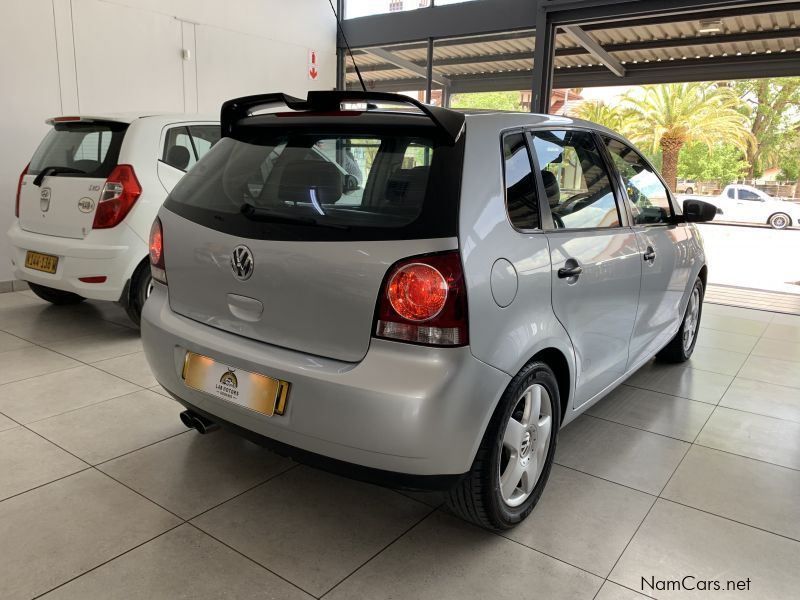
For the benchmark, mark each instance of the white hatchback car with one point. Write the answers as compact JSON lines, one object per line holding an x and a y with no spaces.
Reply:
{"x":86,"y":202}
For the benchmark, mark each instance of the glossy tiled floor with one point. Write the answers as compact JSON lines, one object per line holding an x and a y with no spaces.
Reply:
{"x":689,"y":470}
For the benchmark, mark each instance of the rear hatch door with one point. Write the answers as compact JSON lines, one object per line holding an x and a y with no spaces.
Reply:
{"x":286,"y":238}
{"x":60,"y":192}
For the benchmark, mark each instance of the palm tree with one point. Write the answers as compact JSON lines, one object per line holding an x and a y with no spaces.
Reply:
{"x":597,"y":111}
{"x":673,"y":115}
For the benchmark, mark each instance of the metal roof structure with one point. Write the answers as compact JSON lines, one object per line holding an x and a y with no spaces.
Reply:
{"x":593,"y":44}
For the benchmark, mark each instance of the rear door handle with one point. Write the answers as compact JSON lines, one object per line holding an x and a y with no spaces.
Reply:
{"x":650,"y":254}
{"x":567,"y":272}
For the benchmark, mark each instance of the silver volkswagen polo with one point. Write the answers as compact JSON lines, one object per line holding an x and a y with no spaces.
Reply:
{"x":414,"y":295}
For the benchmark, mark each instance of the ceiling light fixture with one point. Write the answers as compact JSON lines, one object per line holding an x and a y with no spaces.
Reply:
{"x":710,"y":26}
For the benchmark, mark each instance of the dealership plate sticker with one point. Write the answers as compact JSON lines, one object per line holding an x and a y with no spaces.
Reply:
{"x":41,"y":262}
{"x":265,"y":395}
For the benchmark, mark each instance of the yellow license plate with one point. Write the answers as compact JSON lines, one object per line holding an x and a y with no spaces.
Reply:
{"x":265,"y":395}
{"x":41,"y":262}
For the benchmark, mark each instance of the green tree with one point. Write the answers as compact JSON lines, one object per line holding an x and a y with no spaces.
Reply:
{"x":724,"y":163}
{"x":488,"y":100}
{"x":774,"y":106}
{"x":668,"y":117}
{"x":789,"y":156}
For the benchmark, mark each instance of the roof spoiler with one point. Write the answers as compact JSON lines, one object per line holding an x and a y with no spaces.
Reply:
{"x":449,"y":122}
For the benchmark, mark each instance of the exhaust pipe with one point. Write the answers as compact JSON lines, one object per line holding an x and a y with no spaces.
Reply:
{"x":194,"y":421}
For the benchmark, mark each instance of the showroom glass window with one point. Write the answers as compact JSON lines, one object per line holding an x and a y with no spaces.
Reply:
{"x":648,"y":195}
{"x":521,"y":199}
{"x":575,"y":179}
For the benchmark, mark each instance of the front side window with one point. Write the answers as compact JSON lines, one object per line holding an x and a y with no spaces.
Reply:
{"x":521,"y":200}
{"x":732,"y":193}
{"x":575,"y":180}
{"x":648,"y":195}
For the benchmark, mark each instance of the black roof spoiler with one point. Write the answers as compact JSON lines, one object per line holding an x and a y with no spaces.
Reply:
{"x":449,"y":122}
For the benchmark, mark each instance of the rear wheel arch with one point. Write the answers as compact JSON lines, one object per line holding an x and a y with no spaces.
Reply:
{"x":556,"y":360}
{"x":703,"y":275}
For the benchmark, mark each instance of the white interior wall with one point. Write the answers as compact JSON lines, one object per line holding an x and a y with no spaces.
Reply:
{"x":73,"y":56}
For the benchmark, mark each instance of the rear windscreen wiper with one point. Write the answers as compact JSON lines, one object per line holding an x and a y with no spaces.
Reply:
{"x":268,"y":216}
{"x":47,"y":171}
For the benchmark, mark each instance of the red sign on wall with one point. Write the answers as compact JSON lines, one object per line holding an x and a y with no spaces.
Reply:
{"x":313,"y":65}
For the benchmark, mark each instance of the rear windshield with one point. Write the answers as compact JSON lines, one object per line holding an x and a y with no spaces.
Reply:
{"x":325,"y":185}
{"x":81,"y":149}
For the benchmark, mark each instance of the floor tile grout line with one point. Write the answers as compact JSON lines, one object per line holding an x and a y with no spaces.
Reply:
{"x":40,"y":374}
{"x":682,"y":397}
{"x":627,"y":487}
{"x":542,"y":552}
{"x":713,"y":514}
{"x":670,"y":437}
{"x":252,"y":560}
{"x":138,"y":493}
{"x":750,"y":412}
{"x":88,"y":364}
{"x":625,"y":549}
{"x":760,"y":460}
{"x":148,"y":445}
{"x":425,"y":517}
{"x":291,"y":467}
{"x":41,"y":485}
{"x":105,"y":562}
{"x":77,"y":408}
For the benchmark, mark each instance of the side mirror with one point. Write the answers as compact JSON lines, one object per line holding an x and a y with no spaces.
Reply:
{"x":698,"y":211}
{"x":350,"y":183}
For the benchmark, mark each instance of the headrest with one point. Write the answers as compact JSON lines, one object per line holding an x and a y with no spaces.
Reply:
{"x":178,"y":157}
{"x":551,"y":188}
{"x":407,"y":185}
{"x":302,"y":176}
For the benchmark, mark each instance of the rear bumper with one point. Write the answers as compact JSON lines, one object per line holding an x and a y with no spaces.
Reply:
{"x":113,"y":253}
{"x":404,"y":409}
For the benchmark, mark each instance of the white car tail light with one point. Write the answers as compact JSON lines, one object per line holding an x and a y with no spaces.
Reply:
{"x":19,"y":188}
{"x":118,"y":196}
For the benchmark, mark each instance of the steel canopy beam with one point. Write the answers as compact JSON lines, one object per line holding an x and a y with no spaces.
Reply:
{"x":703,"y":69}
{"x":579,"y":36}
{"x":408,"y":65}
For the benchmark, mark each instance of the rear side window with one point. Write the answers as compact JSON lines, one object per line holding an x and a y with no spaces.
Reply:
{"x":575,"y":180}
{"x":319,"y":186}
{"x":521,"y":200}
{"x":185,"y":145}
{"x":84,"y":148}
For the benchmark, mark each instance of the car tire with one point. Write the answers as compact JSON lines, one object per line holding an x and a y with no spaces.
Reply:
{"x":689,"y":190}
{"x":779,"y":221}
{"x":680,"y":347}
{"x":54,"y":296}
{"x":488,"y":495}
{"x":139,"y":291}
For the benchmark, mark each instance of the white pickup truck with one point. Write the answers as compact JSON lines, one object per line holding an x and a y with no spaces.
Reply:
{"x":746,"y":204}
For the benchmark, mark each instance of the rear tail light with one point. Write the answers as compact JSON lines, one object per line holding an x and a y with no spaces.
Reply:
{"x":423,"y":300}
{"x":119,"y":194}
{"x":19,"y":188}
{"x":157,"y":266}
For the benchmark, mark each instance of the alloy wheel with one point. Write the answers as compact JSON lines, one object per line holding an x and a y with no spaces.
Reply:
{"x":526,"y":441}
{"x":692,"y":320}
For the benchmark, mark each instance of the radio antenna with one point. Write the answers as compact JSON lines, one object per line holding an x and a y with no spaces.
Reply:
{"x":347,"y":44}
